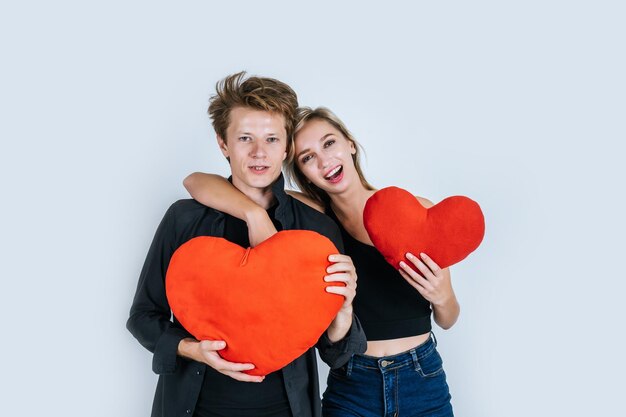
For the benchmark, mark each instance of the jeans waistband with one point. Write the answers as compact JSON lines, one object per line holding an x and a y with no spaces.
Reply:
{"x":410,"y":357}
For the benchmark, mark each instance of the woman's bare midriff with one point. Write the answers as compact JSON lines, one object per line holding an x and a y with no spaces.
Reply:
{"x":379,"y":348}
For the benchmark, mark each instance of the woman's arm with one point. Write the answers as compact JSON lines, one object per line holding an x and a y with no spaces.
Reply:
{"x":303,"y":198}
{"x":434,"y":284}
{"x":216,"y":192}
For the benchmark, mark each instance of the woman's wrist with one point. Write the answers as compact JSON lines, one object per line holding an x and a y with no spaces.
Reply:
{"x":255,"y":215}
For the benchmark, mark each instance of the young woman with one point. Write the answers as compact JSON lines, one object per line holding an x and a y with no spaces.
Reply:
{"x":401,"y":372}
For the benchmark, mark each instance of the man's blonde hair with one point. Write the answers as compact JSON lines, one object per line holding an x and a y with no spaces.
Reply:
{"x":257,"y":93}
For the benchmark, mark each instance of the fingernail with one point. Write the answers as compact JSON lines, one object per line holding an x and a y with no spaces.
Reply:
{"x":402,"y":263}
{"x":410,"y":255}
{"x":422,"y":254}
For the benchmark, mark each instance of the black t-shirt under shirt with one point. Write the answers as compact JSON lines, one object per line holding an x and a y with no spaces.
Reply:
{"x":386,"y":305}
{"x":222,"y":395}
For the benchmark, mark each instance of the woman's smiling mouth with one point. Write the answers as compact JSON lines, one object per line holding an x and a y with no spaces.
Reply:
{"x":334,"y":175}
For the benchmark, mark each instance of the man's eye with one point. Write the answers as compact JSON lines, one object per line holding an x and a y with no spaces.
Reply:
{"x":329,"y":142}
{"x":245,"y":138}
{"x":272,"y":139}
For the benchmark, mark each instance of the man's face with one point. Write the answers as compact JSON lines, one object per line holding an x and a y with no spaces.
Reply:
{"x":256,"y":143}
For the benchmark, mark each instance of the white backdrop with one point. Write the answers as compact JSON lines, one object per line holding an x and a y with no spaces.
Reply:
{"x":519,"y":105}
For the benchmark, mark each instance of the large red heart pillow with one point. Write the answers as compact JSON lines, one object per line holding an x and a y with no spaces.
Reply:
{"x":397,"y":223}
{"x":268,"y":303}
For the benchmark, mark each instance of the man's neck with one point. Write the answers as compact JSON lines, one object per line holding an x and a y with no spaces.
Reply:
{"x":264,"y":197}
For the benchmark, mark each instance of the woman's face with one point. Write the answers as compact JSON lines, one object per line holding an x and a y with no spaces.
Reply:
{"x":324,"y":156}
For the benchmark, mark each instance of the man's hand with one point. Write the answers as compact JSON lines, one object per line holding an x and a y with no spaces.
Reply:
{"x":342,"y":270}
{"x":205,"y":351}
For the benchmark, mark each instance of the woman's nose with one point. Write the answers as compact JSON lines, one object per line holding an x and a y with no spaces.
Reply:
{"x":323,"y":162}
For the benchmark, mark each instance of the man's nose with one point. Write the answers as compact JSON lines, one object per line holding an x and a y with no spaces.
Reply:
{"x":258,"y":150}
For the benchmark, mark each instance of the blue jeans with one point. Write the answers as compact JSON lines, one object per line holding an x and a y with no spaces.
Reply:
{"x":411,"y":383}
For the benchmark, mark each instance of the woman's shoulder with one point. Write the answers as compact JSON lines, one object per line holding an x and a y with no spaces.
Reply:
{"x":303,"y":198}
{"x":424,"y":201}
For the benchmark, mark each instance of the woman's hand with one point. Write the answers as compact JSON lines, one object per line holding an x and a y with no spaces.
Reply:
{"x":342,"y":270}
{"x":260,"y":226}
{"x":435,"y":285}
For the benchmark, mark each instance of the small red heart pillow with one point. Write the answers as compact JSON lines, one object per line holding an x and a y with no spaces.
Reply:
{"x":397,"y":223}
{"x":268,"y":303}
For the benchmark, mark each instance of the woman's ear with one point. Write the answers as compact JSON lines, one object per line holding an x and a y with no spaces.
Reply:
{"x":352,"y":148}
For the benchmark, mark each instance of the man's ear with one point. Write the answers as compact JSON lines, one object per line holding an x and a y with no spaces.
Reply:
{"x":223,"y":146}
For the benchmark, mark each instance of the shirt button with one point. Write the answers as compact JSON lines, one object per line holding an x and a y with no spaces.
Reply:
{"x":188,"y":411}
{"x":198,"y":372}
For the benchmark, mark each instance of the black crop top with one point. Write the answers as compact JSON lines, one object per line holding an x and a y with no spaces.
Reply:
{"x":386,"y":305}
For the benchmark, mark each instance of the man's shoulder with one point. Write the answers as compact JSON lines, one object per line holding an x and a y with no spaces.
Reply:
{"x":186,"y":204}
{"x":187,"y":210}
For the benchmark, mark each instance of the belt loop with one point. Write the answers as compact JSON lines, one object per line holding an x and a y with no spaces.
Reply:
{"x":416,"y":363}
{"x":434,"y":338}
{"x":349,"y":366}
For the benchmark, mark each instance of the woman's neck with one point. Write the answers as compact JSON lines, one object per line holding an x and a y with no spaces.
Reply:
{"x":350,"y":203}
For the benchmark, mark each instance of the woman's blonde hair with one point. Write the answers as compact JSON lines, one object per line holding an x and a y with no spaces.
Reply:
{"x":295,"y":176}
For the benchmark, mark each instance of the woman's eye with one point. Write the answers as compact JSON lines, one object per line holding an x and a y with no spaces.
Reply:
{"x":306,"y":159}
{"x":329,"y":142}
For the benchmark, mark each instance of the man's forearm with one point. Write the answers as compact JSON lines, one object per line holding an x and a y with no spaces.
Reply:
{"x":188,"y":348}
{"x":340,"y":326}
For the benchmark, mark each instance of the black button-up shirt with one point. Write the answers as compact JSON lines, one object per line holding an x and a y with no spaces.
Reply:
{"x":152,"y":323}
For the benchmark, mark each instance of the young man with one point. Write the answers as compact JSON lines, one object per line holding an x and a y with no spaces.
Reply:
{"x":253,"y":119}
